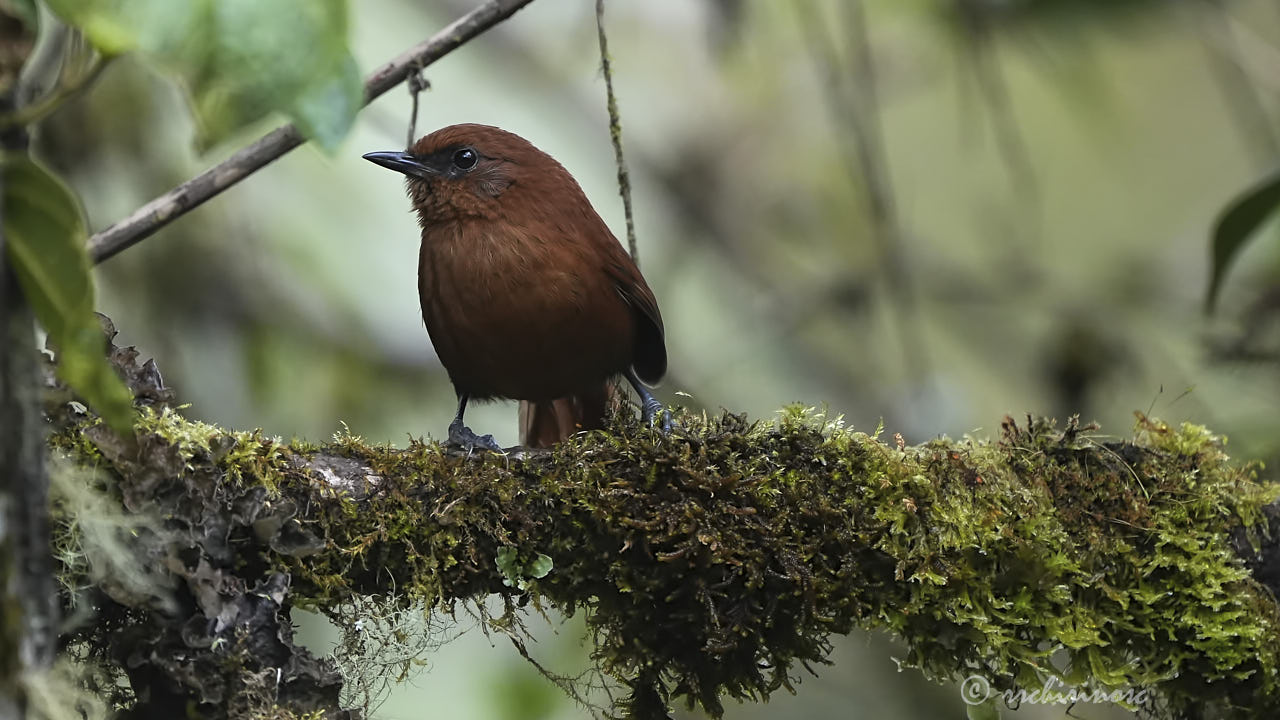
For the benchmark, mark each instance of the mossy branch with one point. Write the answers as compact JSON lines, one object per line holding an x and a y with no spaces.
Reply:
{"x":708,"y":564}
{"x":711,"y":564}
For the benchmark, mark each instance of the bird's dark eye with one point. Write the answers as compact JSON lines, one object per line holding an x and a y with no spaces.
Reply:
{"x":464,"y":159}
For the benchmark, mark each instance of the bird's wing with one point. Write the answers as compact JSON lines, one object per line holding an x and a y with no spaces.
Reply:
{"x":650,"y":360}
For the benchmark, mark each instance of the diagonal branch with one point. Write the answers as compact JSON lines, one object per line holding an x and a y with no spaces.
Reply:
{"x":191,"y":194}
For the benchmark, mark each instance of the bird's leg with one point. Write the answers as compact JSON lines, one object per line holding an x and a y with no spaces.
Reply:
{"x":461,"y":436}
{"x":650,"y":407}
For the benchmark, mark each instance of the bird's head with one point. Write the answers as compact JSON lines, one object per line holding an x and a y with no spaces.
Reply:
{"x":472,"y":171}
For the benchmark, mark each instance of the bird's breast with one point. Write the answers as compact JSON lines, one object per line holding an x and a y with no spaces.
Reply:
{"x":512,"y":314}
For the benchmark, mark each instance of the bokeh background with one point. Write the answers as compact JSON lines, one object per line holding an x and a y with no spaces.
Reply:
{"x":927,"y":216}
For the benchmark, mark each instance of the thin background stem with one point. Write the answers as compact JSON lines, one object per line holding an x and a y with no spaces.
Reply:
{"x":855,"y":112}
{"x":615,"y":133}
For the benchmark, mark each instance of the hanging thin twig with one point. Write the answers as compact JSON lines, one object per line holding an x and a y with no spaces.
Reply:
{"x":417,"y":83}
{"x":615,"y":132}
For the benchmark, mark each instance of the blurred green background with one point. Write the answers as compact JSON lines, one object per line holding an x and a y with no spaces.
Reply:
{"x":1051,"y":171}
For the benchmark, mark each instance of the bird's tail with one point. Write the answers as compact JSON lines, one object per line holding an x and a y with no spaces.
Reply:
{"x":543,"y":424}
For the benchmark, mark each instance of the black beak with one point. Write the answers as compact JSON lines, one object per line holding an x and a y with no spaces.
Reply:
{"x":401,"y":162}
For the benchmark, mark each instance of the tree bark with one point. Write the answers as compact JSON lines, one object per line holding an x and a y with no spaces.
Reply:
{"x":28,"y":598}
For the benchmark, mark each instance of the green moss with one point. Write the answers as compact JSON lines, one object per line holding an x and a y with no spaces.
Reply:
{"x":241,"y":456}
{"x":718,"y":562}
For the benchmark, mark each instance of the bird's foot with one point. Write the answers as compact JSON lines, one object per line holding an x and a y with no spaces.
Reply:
{"x":651,"y":411}
{"x":462,"y":436}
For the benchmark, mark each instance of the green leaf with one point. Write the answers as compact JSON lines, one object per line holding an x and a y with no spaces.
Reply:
{"x":508,"y":566}
{"x":240,"y":60}
{"x":45,"y":240}
{"x":540,"y":566}
{"x":514,"y":572}
{"x":1237,"y":223}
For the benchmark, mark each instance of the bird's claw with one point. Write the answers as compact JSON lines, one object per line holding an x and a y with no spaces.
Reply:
{"x":651,"y":411}
{"x":463,"y":437}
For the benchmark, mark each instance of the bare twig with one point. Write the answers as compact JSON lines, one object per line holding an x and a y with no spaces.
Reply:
{"x":198,"y":190}
{"x":615,"y":132}
{"x":417,"y":83}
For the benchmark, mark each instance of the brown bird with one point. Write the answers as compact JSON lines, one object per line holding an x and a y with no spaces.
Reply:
{"x":525,"y":292}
